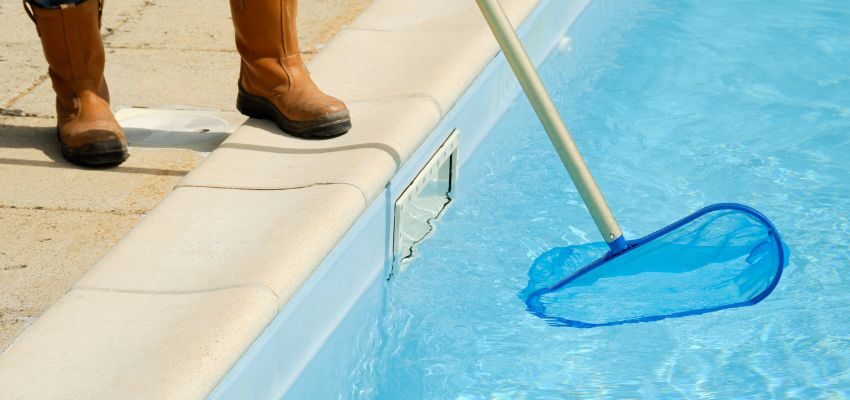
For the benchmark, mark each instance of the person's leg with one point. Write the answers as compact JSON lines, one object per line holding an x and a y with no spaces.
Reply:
{"x":53,"y":3}
{"x":70,"y":37}
{"x":273,"y":83}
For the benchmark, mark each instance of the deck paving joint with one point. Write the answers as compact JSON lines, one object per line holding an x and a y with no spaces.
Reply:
{"x":124,"y":213}
{"x":261,"y":287}
{"x":317,"y":184}
{"x":182,"y":49}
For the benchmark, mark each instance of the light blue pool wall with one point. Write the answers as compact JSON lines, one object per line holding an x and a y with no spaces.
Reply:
{"x":312,"y":345}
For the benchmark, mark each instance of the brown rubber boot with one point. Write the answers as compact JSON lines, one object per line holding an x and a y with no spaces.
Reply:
{"x":70,"y":36}
{"x":273,"y":82}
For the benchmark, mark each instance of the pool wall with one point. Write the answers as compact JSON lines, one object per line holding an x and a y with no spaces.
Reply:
{"x":315,"y":342}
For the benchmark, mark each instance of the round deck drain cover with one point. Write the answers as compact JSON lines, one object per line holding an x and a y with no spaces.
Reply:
{"x":179,"y":129}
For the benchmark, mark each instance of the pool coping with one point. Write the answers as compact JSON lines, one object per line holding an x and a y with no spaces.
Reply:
{"x":177,"y":302}
{"x":339,"y":308}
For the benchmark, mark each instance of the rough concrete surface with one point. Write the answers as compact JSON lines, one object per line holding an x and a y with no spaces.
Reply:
{"x":56,"y":219}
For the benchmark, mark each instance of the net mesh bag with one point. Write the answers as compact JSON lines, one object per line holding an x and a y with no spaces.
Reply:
{"x":721,"y":257}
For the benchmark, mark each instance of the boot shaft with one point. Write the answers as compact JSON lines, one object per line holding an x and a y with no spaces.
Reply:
{"x":73,"y":47}
{"x":265,"y":28}
{"x":267,"y":41}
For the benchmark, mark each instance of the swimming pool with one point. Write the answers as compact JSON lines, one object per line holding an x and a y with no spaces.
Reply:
{"x":675,"y":105}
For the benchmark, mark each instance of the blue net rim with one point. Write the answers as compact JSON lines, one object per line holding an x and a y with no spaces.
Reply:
{"x":535,"y":306}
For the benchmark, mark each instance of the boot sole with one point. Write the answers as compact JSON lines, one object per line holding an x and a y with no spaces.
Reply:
{"x":325,"y":127}
{"x":99,"y":154}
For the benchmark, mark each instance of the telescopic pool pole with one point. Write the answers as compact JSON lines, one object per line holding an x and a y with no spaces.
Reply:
{"x":552,"y":123}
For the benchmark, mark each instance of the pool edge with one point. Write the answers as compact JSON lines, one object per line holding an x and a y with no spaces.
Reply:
{"x":489,"y":96}
{"x":159,"y":317}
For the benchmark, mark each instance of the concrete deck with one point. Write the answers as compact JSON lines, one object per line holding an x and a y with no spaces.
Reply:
{"x":57,"y":220}
{"x":170,"y":309}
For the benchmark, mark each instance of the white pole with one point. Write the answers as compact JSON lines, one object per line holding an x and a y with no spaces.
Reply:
{"x":551,"y":119}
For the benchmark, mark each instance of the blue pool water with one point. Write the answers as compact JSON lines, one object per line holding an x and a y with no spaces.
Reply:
{"x":675,"y":105}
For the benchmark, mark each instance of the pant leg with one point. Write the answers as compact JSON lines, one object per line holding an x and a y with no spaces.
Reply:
{"x":53,"y":3}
